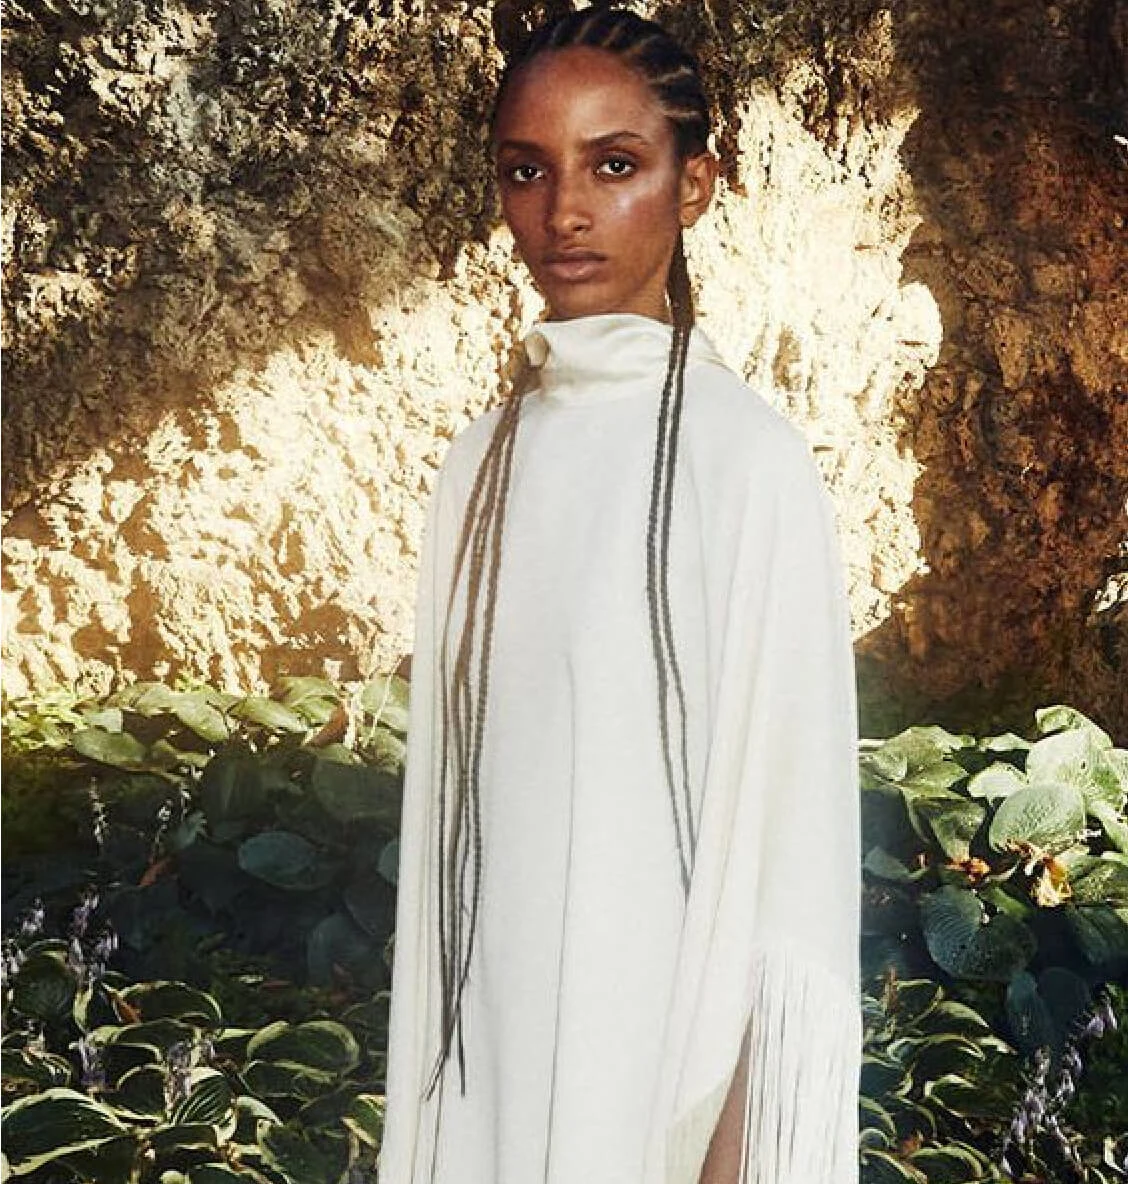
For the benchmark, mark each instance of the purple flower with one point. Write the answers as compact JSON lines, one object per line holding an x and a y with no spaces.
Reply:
{"x":31,"y":923}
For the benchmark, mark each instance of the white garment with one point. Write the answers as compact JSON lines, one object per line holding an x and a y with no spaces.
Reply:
{"x":604,"y":1012}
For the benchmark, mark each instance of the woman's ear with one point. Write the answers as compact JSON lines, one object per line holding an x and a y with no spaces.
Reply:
{"x":698,"y":180}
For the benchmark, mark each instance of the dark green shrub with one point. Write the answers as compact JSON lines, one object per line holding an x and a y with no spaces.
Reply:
{"x":233,"y":860}
{"x":255,"y":826}
{"x":998,"y":870}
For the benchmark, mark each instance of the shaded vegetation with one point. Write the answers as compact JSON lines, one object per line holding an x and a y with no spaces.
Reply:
{"x":195,"y":984}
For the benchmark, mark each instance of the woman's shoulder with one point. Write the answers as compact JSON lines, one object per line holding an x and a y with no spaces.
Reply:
{"x":468,"y":446}
{"x":730,"y":420}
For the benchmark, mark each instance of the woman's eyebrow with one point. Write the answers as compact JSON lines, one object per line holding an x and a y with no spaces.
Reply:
{"x":601,"y":141}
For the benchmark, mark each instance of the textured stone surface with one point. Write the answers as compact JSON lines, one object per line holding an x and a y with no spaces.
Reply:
{"x":255,"y":282}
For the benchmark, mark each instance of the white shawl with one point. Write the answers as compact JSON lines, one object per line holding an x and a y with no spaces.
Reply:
{"x":767,"y":941}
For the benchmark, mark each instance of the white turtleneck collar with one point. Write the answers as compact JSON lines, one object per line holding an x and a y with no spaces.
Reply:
{"x":606,"y":356}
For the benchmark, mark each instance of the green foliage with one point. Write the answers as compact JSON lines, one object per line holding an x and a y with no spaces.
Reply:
{"x":996,"y":887}
{"x":987,"y":859}
{"x":265,"y":826}
{"x":248,"y":844}
{"x":945,"y":1098}
{"x":163,"y":1089}
{"x":244,"y":852}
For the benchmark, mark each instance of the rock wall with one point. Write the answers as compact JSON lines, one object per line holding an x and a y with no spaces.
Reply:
{"x":255,"y":281}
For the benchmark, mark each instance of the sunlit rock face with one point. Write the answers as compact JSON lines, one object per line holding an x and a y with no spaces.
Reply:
{"x":256,"y":282}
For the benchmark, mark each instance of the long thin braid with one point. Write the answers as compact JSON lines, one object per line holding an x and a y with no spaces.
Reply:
{"x":464,"y":723}
{"x":681,"y":301}
{"x":673,"y":77}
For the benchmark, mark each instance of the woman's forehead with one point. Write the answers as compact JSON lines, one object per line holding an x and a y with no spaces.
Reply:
{"x":579,"y":86}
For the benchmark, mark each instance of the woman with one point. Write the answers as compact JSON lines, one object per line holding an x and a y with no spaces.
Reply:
{"x":626,"y":945}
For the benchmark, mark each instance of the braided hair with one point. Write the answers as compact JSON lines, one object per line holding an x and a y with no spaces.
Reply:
{"x":673,"y":77}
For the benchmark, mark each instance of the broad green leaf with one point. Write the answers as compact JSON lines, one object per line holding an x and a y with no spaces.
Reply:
{"x":387,"y":753}
{"x":1047,"y":815}
{"x":251,"y":1113}
{"x":371,"y":1015}
{"x":196,"y":713}
{"x":338,"y":943}
{"x":371,"y":902}
{"x":880,"y":1167}
{"x":286,"y":860}
{"x":388,"y":865}
{"x":1100,"y":881}
{"x":954,"y":1164}
{"x":937,"y":778}
{"x":269,"y":713}
{"x":169,"y":1000}
{"x":146,"y":698}
{"x":158,"y":1035}
{"x":879,"y":863}
{"x":954,"y":821}
{"x":45,"y":987}
{"x":119,"y":749}
{"x":387,"y":697}
{"x":998,"y":780}
{"x":1101,"y":934}
{"x":930,"y":1057}
{"x":284,"y":1080}
{"x":1077,"y":758}
{"x":882,"y":1076}
{"x":1006,"y":742}
{"x":951,"y":1016}
{"x":110,"y":1162}
{"x":365,"y":1118}
{"x":1113,"y":823}
{"x":915,"y":998}
{"x":39,"y":1069}
{"x":356,"y":793}
{"x":177,"y":1136}
{"x":972,"y":1099}
{"x":299,"y":1161}
{"x":142,"y":1091}
{"x":997,"y":897}
{"x":885,"y":766}
{"x":966,"y":947}
{"x":315,"y":699}
{"x":52,"y":1124}
{"x":1027,"y":1013}
{"x":108,"y":718}
{"x":322,"y":1045}
{"x":208,"y":1101}
{"x":214,"y":1173}
{"x":874,"y":1119}
{"x":1063,"y":718}
{"x":325,"y":1112}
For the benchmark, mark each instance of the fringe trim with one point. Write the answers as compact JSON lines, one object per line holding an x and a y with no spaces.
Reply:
{"x":801,"y":1103}
{"x":801,"y":1107}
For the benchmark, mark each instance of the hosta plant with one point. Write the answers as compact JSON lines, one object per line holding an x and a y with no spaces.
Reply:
{"x":946,"y":1100}
{"x":999,"y":869}
{"x":118,"y":1082}
{"x":212,"y":822}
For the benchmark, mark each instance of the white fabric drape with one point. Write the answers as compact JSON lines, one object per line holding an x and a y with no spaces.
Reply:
{"x":605,"y":1010}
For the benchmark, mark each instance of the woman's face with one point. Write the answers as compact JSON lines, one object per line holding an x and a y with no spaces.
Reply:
{"x":591,"y":185}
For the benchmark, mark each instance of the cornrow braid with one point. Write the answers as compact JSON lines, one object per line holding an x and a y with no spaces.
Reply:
{"x":673,"y":77}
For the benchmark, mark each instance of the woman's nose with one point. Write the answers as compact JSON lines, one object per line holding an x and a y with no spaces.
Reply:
{"x":569,"y":209}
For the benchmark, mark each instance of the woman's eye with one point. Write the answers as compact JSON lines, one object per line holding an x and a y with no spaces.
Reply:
{"x":522,"y":174}
{"x":616,"y":166}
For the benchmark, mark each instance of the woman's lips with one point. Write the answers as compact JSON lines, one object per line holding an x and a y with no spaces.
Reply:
{"x":574,"y":267}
